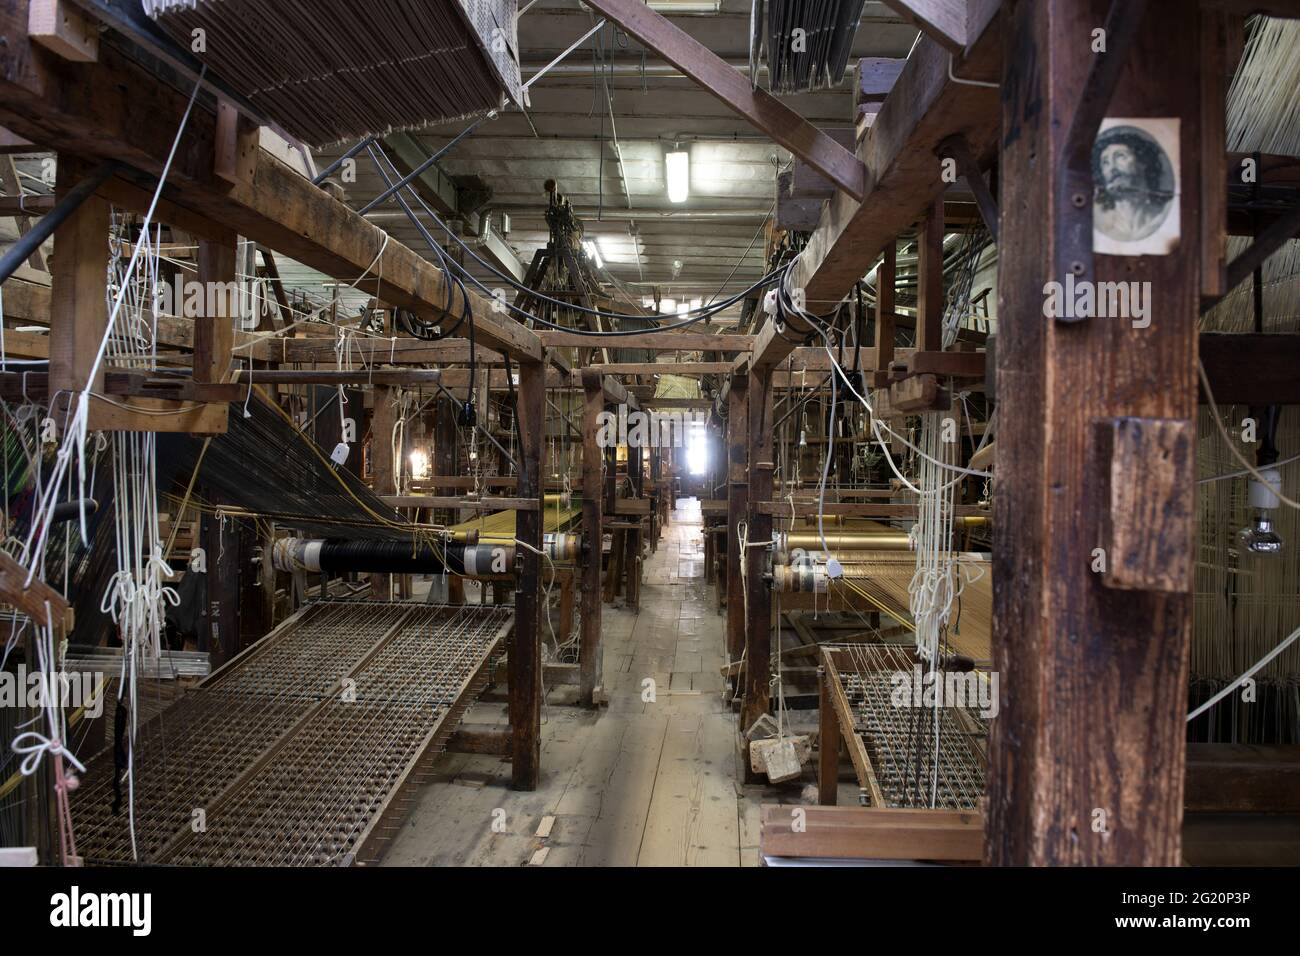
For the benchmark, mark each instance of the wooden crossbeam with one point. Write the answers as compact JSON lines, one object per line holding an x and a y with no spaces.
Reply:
{"x":59,"y":106}
{"x":733,"y":89}
{"x":923,"y":109}
{"x":943,"y":21}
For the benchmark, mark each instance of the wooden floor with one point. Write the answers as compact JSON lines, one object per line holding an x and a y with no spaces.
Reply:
{"x":639,"y":783}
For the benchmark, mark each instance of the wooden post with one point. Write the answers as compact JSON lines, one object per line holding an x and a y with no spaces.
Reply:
{"x":78,"y":310}
{"x":758,"y":627}
{"x":828,"y":743}
{"x":885,"y":276}
{"x":526,"y":649}
{"x":1086,"y":753}
{"x":929,"y":282}
{"x":737,"y":508}
{"x":444,"y":466}
{"x":382,"y":423}
{"x":590,"y":667}
{"x":222,"y":579}
{"x":214,"y":330}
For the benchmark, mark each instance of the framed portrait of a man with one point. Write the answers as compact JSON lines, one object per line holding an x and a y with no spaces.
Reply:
{"x":1135,"y":171}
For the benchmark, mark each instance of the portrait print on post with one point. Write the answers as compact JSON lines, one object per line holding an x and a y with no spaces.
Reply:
{"x":1136,"y":187}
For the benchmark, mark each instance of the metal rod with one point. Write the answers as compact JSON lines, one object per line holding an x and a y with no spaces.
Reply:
{"x":324,"y":174}
{"x":573,"y":46}
{"x":418,"y":170}
{"x":19,"y":252}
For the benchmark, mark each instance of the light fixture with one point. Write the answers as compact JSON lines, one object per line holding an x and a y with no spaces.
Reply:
{"x":1259,"y":537}
{"x":677,"y":167}
{"x":593,"y":252}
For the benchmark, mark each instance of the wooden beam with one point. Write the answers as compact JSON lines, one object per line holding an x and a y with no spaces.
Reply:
{"x":1082,"y":771}
{"x":869,"y":833}
{"x":62,"y":106}
{"x":62,"y":29}
{"x":382,"y":475}
{"x":733,"y":89}
{"x":929,"y":307}
{"x":22,"y":207}
{"x":78,"y":308}
{"x":665,"y":368}
{"x":737,"y":509}
{"x":1252,"y":369}
{"x":758,"y":623}
{"x":32,"y":599}
{"x":924,"y":108}
{"x":526,"y":647}
{"x":1243,"y":778}
{"x":1215,"y":29}
{"x":590,"y":653}
{"x":943,"y":21}
{"x":214,"y":330}
{"x":656,"y":341}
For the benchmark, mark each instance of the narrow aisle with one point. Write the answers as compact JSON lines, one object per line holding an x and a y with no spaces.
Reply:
{"x":650,"y":780}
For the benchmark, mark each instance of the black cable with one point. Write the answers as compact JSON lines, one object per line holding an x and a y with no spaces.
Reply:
{"x":693,"y":316}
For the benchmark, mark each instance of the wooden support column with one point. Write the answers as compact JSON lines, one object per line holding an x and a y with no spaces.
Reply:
{"x":1095,"y":450}
{"x":78,"y":310}
{"x":214,"y":331}
{"x":221,"y":542}
{"x":885,"y":276}
{"x":590,"y":668}
{"x":444,"y":466}
{"x":636,"y":474}
{"x":737,"y":509}
{"x":526,"y":649}
{"x":929,"y":282}
{"x":382,"y":422}
{"x":758,"y":626}
{"x":828,"y":742}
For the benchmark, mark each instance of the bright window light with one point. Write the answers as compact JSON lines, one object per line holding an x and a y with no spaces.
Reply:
{"x":419,"y":465}
{"x":683,"y":307}
{"x":594,"y":253}
{"x":667,"y":306}
{"x":696,"y":304}
{"x":697,"y":449}
{"x":647,"y":302}
{"x":678,"y":173}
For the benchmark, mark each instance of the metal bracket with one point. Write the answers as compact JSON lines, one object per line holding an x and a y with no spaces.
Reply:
{"x":1075,"y":187}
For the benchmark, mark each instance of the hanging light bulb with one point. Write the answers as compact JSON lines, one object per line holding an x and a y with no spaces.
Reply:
{"x":1259,"y":537}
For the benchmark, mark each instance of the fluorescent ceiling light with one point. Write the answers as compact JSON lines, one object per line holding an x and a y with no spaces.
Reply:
{"x":594,"y":253}
{"x":677,"y":166}
{"x":685,"y":6}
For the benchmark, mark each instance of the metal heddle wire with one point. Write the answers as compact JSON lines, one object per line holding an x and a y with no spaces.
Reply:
{"x":901,"y":738}
{"x":292,"y":765}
